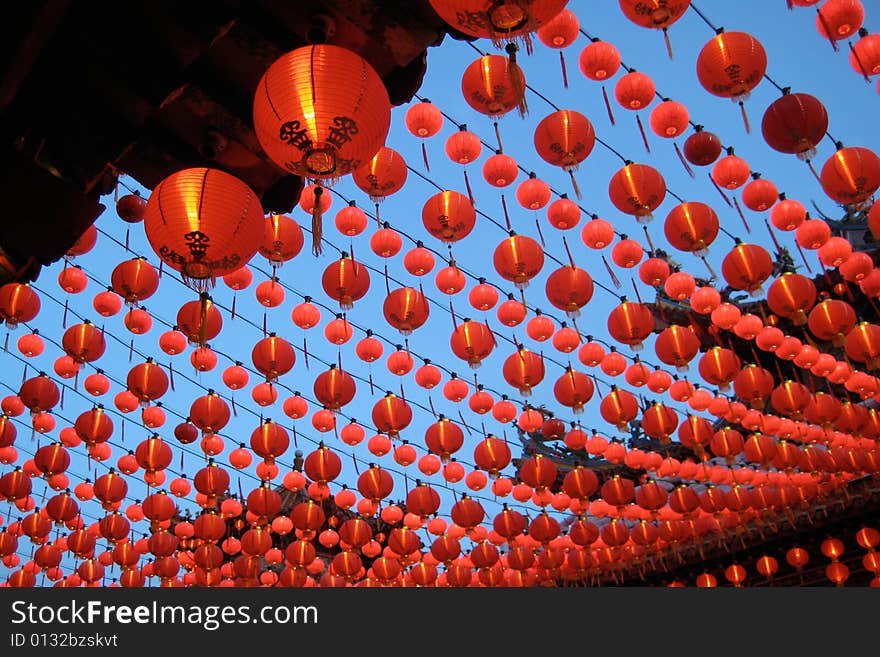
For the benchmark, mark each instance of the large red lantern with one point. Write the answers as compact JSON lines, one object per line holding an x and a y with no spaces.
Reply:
{"x":691,"y":226}
{"x":204,"y":223}
{"x":147,"y":381}
{"x":18,"y":303}
{"x":599,"y":60}
{"x":731,"y":64}
{"x":851,"y":175}
{"x":444,"y":438}
{"x":321,"y":111}
{"x":282,"y":239}
{"x":677,"y":345}
{"x":564,"y":139}
{"x":449,"y":216}
{"x":134,"y":280}
{"x":392,"y":414}
{"x":795,"y":123}
{"x":619,"y":407}
{"x":630,"y":323}
{"x":518,"y":259}
{"x":499,"y":20}
{"x":210,"y":412}
{"x":345,"y":281}
{"x":573,"y":389}
{"x":791,"y":296}
{"x":383,"y":175}
{"x":334,"y":388}
{"x":719,"y":366}
{"x":524,"y":370}
{"x":638,"y":190}
{"x":84,"y":343}
{"x":746,"y":267}
{"x":493,"y":85}
{"x":273,"y":357}
{"x":472,"y":342}
{"x":39,"y":394}
{"x":406,"y":309}
{"x":831,"y":320}
{"x":634,"y":90}
{"x":569,"y":288}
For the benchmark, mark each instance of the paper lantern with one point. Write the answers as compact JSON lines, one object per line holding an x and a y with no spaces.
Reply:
{"x":203,"y":223}
{"x":383,"y":175}
{"x":449,"y":216}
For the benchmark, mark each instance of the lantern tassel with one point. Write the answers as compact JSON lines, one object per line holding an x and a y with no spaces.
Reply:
{"x":306,"y":353}
{"x":425,"y":158}
{"x":648,"y":238}
{"x":574,"y":184}
{"x":540,"y":233}
{"x":64,"y":316}
{"x":171,"y":375}
{"x":803,"y":257}
{"x":642,"y":132}
{"x":684,"y":162}
{"x":498,"y":136}
{"x":668,"y":43}
{"x":232,"y":313}
{"x":506,"y":214}
{"x":827,"y":29}
{"x":131,"y":350}
{"x":611,"y":273}
{"x":126,"y":238}
{"x":564,"y":70}
{"x":745,"y":117}
{"x":234,"y":409}
{"x":813,"y":171}
{"x":720,"y":191}
{"x":709,"y":267}
{"x":467,"y":183}
{"x":568,"y":251}
{"x":6,"y":342}
{"x":517,"y":79}
{"x":608,"y":105}
{"x":855,"y":56}
{"x":741,"y":215}
{"x":372,"y":389}
{"x":317,"y":222}
{"x":203,"y":319}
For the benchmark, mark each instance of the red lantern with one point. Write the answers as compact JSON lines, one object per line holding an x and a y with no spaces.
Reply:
{"x":533,"y":193}
{"x":282,"y":239}
{"x":199,"y":321}
{"x":746,"y":267}
{"x":702,"y":148}
{"x":791,"y":296}
{"x":345,"y":281}
{"x":731,"y":171}
{"x":573,"y":389}
{"x":518,"y":259}
{"x":669,"y":119}
{"x":203,"y":223}
{"x":135,"y":280}
{"x":795,"y":123}
{"x":677,"y":345}
{"x":391,"y":414}
{"x":637,"y":189}
{"x":328,"y":104}
{"x":84,"y":343}
{"x":599,"y":60}
{"x":564,"y":139}
{"x":472,"y":342}
{"x":334,"y":388}
{"x":569,"y":289}
{"x":851,"y":175}
{"x":524,"y":370}
{"x":634,"y":90}
{"x":493,"y":85}
{"x":691,"y":226}
{"x":463,"y":147}
{"x":831,"y":320}
{"x":788,"y":214}
{"x":839,"y":19}
{"x":449,"y":216}
{"x":499,"y":21}
{"x":18,"y":303}
{"x":731,"y":64}
{"x":383,"y":175}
